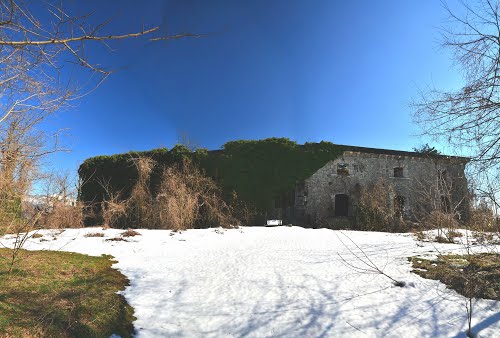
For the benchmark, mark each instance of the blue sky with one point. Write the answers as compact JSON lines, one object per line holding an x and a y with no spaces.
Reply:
{"x":341,"y":71}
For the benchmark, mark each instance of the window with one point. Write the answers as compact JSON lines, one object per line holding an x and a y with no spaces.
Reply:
{"x":398,"y":172}
{"x":341,"y":205}
{"x":399,"y":206}
{"x":342,"y":169}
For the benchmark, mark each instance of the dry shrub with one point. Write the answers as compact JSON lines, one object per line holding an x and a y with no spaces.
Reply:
{"x":454,"y":234}
{"x":113,"y":207}
{"x":116,"y":239}
{"x":436,"y":208}
{"x":176,"y":205}
{"x":375,"y":211}
{"x":242,"y":212}
{"x":130,"y":233}
{"x":445,"y":223}
{"x":187,"y":198}
{"x":62,"y":215}
{"x":113,"y":212}
{"x":482,"y":218}
{"x":419,"y":235}
{"x":139,"y":205}
{"x":443,"y":239}
{"x":94,"y":234}
{"x":438,"y":220}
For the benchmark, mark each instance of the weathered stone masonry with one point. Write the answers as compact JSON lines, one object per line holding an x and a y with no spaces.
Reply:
{"x":331,"y":195}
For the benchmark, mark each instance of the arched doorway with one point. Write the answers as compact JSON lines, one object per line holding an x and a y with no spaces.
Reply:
{"x":341,"y":205}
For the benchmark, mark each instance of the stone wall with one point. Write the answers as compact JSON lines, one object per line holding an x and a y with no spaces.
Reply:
{"x":348,"y":174}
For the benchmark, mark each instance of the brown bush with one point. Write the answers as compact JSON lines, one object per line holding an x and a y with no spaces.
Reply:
{"x":437,"y":219}
{"x":375,"y":210}
{"x":62,"y":215}
{"x":130,"y":233}
{"x":113,"y":212}
{"x":187,"y":198}
{"x":113,"y":208}
{"x":140,"y":204}
{"x":95,"y":234}
{"x":482,"y":218}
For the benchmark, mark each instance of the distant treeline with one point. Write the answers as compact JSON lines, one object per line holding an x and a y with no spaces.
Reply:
{"x":262,"y":173}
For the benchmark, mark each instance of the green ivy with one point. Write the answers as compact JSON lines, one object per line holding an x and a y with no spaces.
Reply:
{"x":263,"y":173}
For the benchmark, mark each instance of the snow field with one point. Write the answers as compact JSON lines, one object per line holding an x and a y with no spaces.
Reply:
{"x":279,"y":282}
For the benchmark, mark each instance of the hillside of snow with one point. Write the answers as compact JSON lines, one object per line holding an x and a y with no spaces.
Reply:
{"x":278,"y":282}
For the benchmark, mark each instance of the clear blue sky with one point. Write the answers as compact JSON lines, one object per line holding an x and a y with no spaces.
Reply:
{"x":341,"y":71}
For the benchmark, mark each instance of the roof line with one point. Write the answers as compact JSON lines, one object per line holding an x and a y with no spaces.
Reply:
{"x":398,"y":152}
{"x":383,"y":152}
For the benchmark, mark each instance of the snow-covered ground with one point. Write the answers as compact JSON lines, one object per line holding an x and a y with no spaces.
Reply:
{"x":279,"y":282}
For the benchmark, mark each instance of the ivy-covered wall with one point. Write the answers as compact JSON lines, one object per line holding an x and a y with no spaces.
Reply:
{"x":263,"y":173}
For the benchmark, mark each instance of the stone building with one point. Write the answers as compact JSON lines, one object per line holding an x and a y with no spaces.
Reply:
{"x":331,"y":196}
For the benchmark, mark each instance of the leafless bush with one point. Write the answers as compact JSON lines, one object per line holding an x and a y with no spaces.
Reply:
{"x":139,"y":206}
{"x":377,"y":211}
{"x":436,"y":207}
{"x":243,"y":212}
{"x":113,"y":211}
{"x":364,"y":264}
{"x":176,"y":205}
{"x":94,"y":234}
{"x":482,"y":218}
{"x":62,"y":216}
{"x":188,"y":198}
{"x":58,"y":205}
{"x":130,"y":233}
{"x":113,"y":207}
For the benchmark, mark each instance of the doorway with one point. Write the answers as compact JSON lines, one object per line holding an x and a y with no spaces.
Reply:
{"x":341,"y":205}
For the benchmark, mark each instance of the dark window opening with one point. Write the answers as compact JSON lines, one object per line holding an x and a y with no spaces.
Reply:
{"x":342,"y":169}
{"x":341,"y":205}
{"x":445,"y":204}
{"x":399,"y":206}
{"x":398,"y":172}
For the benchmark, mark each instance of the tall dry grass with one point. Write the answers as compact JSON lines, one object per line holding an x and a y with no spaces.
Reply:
{"x":185,"y":198}
{"x":188,"y":198}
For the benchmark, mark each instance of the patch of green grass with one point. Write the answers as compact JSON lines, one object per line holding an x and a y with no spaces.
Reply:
{"x":476,"y":276}
{"x":60,"y":294}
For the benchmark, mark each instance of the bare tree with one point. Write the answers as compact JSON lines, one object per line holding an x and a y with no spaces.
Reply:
{"x":437,"y":206}
{"x":59,"y":202}
{"x":41,"y":46}
{"x":469,"y":118}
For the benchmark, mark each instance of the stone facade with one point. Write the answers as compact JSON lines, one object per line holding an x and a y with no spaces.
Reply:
{"x":331,"y":195}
